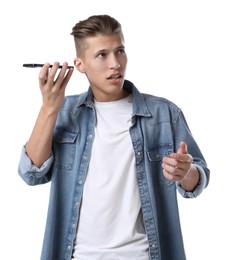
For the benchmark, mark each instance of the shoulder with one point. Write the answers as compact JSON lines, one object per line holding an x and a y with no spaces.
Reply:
{"x":72,"y":99}
{"x":151,"y":101}
{"x":159,"y":102}
{"x":73,"y":102}
{"x":162,"y":109}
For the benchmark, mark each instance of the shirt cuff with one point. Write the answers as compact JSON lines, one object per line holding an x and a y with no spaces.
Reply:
{"x":26,"y":165}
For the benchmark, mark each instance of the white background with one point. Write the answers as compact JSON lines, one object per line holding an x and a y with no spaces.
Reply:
{"x":176,"y":49}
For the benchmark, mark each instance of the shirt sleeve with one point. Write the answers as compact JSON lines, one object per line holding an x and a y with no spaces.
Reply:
{"x":198,"y":189}
{"x":30,"y":172}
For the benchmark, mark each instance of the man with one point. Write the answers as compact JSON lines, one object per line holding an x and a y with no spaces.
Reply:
{"x":115,"y":157}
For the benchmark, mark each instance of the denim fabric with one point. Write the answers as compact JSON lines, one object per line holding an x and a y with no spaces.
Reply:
{"x":157,"y":128}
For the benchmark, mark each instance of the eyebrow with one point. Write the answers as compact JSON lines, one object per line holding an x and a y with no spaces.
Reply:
{"x":121,"y":47}
{"x":105,"y":50}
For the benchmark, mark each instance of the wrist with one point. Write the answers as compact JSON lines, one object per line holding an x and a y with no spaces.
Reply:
{"x":191,"y":180}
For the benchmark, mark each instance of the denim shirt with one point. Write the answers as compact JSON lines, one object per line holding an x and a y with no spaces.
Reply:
{"x":157,"y":128}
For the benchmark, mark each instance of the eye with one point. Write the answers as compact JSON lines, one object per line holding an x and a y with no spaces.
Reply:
{"x":102,"y":55}
{"x":121,"y":52}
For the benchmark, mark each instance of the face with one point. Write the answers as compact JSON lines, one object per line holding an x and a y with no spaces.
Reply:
{"x":104,"y":64}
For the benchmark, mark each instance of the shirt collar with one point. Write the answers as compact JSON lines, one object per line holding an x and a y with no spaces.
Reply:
{"x":140,"y":107}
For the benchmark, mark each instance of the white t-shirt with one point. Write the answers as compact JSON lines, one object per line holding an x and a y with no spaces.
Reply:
{"x":110,"y":225}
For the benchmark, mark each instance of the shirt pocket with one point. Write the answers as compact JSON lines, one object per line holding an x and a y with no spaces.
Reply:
{"x":155,"y":155}
{"x":64,"y":148}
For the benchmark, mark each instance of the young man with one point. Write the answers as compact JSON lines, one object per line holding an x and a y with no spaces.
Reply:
{"x":116,"y":158}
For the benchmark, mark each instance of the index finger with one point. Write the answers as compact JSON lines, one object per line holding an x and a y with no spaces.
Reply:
{"x":182,"y":157}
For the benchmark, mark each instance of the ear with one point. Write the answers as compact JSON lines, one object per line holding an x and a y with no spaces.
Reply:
{"x":79,"y":65}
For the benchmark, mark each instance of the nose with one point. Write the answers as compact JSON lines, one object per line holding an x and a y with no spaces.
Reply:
{"x":114,"y":64}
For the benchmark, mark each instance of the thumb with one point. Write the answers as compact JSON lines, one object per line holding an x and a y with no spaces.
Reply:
{"x":183,"y":148}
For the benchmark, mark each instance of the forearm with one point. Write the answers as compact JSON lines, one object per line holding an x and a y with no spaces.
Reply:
{"x":39,"y":145}
{"x":191,"y":180}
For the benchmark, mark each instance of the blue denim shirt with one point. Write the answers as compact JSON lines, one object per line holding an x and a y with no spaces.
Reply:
{"x":157,"y":128}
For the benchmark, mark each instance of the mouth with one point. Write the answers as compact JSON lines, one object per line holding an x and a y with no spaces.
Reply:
{"x":115,"y":76}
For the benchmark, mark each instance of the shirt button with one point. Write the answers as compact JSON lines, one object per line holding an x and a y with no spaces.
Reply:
{"x":33,"y":169}
{"x":69,"y":247}
{"x":138,"y":153}
{"x":146,"y":199}
{"x":80,"y":182}
{"x":153,"y":245}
